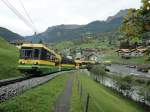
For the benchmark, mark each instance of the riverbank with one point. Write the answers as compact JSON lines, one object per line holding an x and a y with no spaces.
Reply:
{"x":104,"y":99}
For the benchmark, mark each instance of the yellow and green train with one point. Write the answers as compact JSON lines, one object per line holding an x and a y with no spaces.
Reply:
{"x":37,"y":59}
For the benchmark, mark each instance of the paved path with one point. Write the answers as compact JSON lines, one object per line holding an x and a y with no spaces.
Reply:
{"x":63,"y":103}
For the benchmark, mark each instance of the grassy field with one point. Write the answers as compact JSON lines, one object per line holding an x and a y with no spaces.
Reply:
{"x":8,"y":60}
{"x":76,"y":104}
{"x":113,"y":56}
{"x":63,"y":45}
{"x":105,"y":100}
{"x":39,"y":99}
{"x":93,"y":44}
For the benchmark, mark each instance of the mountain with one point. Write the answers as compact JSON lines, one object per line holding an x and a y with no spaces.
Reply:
{"x":121,"y":13}
{"x":69,"y":32}
{"x":9,"y":35}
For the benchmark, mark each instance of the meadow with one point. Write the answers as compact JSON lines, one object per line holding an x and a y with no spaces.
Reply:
{"x":9,"y":56}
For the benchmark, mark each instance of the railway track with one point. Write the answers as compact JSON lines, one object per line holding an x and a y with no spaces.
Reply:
{"x":17,"y":86}
{"x":12,"y":80}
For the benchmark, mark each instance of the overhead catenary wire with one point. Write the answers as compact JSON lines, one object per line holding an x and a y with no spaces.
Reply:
{"x":26,"y":12}
{"x":28,"y":15}
{"x":14,"y":10}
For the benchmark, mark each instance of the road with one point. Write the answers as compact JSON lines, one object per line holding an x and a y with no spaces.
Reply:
{"x":126,"y":70}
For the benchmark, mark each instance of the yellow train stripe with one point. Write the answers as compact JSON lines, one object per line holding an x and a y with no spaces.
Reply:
{"x":69,"y":65}
{"x":40,"y":62}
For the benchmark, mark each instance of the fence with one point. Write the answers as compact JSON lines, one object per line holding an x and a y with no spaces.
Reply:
{"x":86,"y":97}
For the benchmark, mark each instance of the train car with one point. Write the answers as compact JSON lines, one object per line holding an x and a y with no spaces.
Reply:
{"x":38,"y":59}
{"x":79,"y":63}
{"x":67,"y":64}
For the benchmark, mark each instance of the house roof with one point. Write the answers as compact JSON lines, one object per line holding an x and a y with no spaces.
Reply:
{"x":124,"y":50}
{"x":131,"y":50}
{"x":141,"y":50}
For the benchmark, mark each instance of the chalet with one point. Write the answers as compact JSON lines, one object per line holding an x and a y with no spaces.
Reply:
{"x":90,"y":54}
{"x":138,"y":52}
{"x":131,"y":52}
{"x":124,"y":52}
{"x":88,"y":51}
{"x":93,"y":57}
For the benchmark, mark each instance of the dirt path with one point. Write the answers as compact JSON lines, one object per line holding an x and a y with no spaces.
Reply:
{"x":63,"y":103}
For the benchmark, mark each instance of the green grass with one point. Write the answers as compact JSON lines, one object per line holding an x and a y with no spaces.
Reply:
{"x":63,"y":45}
{"x":103,"y":99}
{"x":92,"y":44}
{"x":76,"y":104}
{"x":8,"y":60}
{"x":95,"y":44}
{"x":39,"y":99}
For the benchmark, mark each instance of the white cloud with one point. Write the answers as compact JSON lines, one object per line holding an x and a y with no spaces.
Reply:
{"x":46,"y":13}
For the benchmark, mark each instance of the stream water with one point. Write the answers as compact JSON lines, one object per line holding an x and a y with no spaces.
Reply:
{"x":133,"y":93}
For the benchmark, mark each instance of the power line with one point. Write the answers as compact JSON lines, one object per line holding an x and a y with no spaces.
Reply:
{"x":14,"y":10}
{"x":27,"y":14}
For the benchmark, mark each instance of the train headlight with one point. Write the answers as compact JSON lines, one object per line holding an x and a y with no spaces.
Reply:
{"x":22,"y":62}
{"x":36,"y":63}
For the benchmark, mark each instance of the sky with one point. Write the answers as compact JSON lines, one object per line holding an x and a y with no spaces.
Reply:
{"x":46,"y":13}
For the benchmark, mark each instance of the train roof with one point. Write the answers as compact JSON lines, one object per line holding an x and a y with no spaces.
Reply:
{"x":42,"y":46}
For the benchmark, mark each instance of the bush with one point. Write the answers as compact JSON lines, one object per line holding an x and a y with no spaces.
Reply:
{"x":98,"y":71}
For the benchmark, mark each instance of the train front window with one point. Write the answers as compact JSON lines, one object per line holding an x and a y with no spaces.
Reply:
{"x":30,"y":53}
{"x":26,"y":54}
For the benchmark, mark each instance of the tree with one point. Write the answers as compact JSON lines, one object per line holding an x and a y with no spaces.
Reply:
{"x":99,"y":72}
{"x":136,"y":24}
{"x":40,"y":42}
{"x":145,"y":14}
{"x":145,"y":91}
{"x":145,"y":8}
{"x":125,"y":44}
{"x":132,"y":25}
{"x":125,"y":85}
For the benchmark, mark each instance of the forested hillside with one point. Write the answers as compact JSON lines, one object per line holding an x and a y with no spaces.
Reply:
{"x":9,"y":35}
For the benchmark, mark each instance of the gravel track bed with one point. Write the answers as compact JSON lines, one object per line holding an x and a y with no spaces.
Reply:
{"x":17,"y":88}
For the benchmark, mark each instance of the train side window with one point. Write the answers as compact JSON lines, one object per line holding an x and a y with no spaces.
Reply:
{"x":22,"y":53}
{"x":28,"y":54}
{"x":43,"y":54}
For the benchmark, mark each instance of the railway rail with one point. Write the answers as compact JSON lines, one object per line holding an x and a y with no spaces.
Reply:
{"x":12,"y":80}
{"x":19,"y":85}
